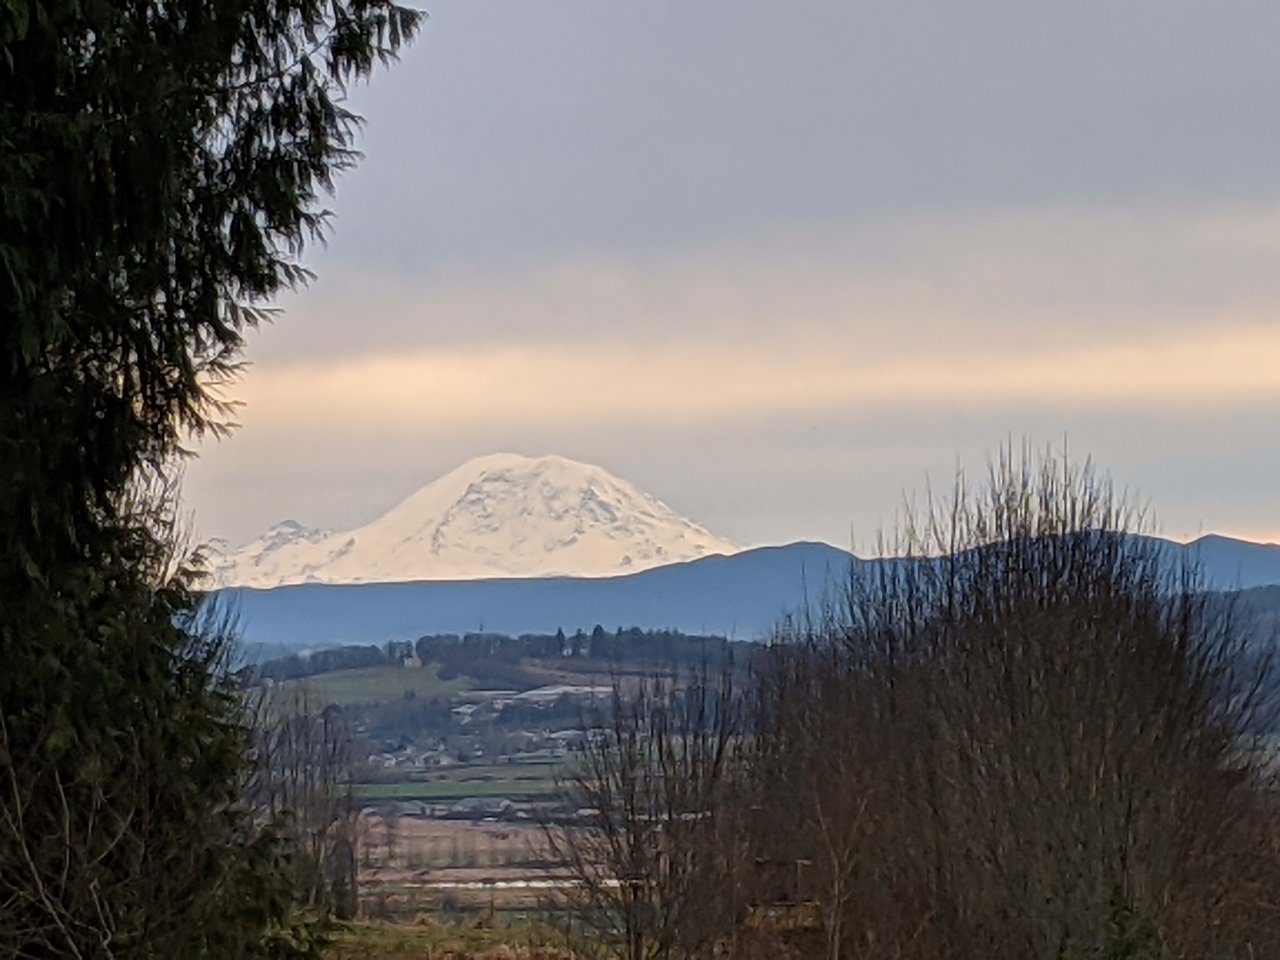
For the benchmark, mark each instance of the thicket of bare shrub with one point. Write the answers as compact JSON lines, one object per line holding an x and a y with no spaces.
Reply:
{"x":1029,"y":738}
{"x":1025,"y":740}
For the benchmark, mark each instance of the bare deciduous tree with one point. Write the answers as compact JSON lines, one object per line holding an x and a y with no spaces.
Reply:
{"x":1027,"y":739}
{"x":302,"y":782}
{"x":656,"y":853}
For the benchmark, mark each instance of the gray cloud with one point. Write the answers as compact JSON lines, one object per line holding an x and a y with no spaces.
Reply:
{"x":527,"y":133}
{"x":1043,"y":275}
{"x":852,"y":206}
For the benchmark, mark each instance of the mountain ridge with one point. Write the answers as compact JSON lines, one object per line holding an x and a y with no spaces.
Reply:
{"x":741,"y":596}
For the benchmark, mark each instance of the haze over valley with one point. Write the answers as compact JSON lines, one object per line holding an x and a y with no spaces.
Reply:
{"x":511,"y":544}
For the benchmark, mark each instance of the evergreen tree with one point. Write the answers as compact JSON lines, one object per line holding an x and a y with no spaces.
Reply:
{"x":161,"y":166}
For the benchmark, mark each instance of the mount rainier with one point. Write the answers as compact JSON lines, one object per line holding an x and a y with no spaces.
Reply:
{"x":502,"y":515}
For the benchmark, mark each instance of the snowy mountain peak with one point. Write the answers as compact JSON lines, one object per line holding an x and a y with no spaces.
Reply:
{"x":291,"y":531}
{"x":502,"y":515}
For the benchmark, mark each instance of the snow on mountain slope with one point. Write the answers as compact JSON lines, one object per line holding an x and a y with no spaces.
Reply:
{"x":502,"y":515}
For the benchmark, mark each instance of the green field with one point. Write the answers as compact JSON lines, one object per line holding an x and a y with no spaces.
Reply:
{"x":439,"y":792}
{"x":345,"y":688}
{"x":518,"y":781}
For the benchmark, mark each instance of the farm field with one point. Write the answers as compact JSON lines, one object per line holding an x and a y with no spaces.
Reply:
{"x":345,"y":688}
{"x":530,"y":780}
{"x":413,"y":866}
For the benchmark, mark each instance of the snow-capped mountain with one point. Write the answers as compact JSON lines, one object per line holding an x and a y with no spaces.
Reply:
{"x":503,"y":515}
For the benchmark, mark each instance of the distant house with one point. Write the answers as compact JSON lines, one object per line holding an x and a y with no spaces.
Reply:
{"x":476,"y":808}
{"x":569,"y":739}
{"x":463,"y":712}
{"x":405,"y":808}
{"x":497,"y":698}
{"x":545,"y":696}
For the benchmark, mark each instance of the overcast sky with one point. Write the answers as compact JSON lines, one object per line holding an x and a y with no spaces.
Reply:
{"x":779,"y":264}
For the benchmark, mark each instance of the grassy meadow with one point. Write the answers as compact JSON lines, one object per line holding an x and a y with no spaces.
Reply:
{"x":518,"y":781}
{"x":345,"y":688}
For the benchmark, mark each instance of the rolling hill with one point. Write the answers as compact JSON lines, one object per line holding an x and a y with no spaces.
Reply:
{"x":740,"y":596}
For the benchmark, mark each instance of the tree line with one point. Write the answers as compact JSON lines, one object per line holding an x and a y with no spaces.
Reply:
{"x":162,"y":166}
{"x":482,"y":655}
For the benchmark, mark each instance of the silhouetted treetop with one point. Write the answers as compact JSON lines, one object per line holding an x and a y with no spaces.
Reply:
{"x":161,"y":167}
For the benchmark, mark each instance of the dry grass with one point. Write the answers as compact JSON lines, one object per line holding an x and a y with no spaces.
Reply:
{"x":435,"y":846}
{"x":430,"y":857}
{"x":428,"y":940}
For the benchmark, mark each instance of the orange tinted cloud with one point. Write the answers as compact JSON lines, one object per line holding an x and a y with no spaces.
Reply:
{"x":1226,"y":364}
